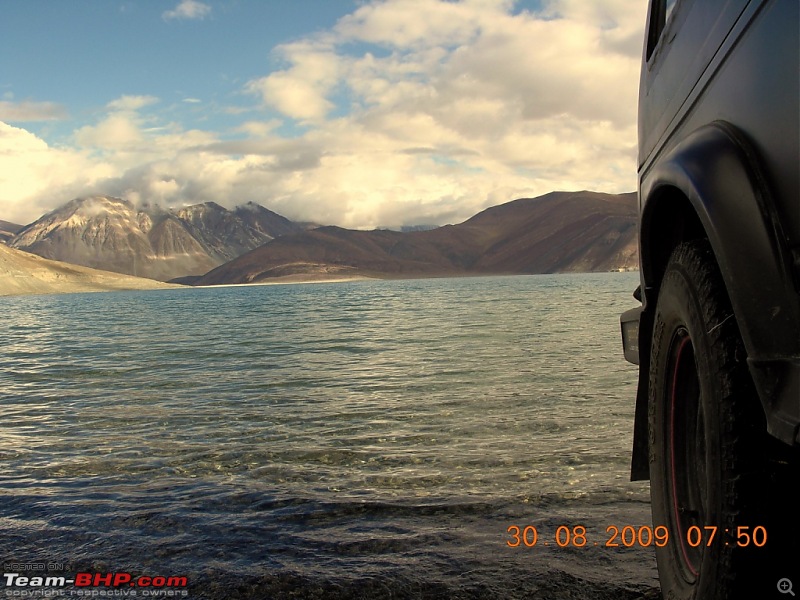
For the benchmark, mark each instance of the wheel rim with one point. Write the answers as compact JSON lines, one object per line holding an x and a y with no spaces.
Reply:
{"x":687,"y":453}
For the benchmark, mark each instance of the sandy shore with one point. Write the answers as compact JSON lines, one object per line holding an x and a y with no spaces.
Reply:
{"x":22,"y":273}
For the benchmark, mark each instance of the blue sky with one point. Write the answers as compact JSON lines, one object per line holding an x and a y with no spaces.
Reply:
{"x":363,"y":114}
{"x":83,"y":54}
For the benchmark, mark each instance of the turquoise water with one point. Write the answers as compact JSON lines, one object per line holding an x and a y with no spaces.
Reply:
{"x":318,"y":436}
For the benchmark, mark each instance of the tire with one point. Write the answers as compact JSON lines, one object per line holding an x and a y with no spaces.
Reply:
{"x":712,"y":464}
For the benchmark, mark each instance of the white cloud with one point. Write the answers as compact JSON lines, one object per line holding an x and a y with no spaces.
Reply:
{"x":121,"y":129}
{"x":407,"y":24}
{"x":118,"y":131}
{"x":501,"y":101}
{"x":131,"y":103}
{"x":34,"y":176}
{"x":188,"y":9}
{"x":259,"y":129}
{"x":410,"y":111}
{"x":300,"y":91}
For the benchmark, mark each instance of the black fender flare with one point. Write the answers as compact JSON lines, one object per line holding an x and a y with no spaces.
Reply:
{"x":719,"y":172}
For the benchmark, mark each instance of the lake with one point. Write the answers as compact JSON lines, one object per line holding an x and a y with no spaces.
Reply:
{"x":365,"y":439}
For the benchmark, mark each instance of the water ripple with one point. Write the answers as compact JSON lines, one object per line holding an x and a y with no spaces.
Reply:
{"x":354,"y":420}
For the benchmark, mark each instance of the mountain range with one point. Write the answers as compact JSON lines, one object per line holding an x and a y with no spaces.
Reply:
{"x":206,"y":244}
{"x":558,"y":232}
{"x":112,"y":234}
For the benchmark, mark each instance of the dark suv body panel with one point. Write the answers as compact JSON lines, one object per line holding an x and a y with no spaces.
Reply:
{"x":719,"y":157}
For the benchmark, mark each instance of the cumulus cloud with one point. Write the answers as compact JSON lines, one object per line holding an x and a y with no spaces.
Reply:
{"x":188,"y":9}
{"x":121,"y":128}
{"x":409,"y":24}
{"x":300,"y":91}
{"x":501,"y":102}
{"x":32,"y":170}
{"x":394,"y":118}
{"x":115,"y":131}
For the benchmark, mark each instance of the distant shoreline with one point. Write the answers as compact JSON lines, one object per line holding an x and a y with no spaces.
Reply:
{"x":25,"y":274}
{"x":88,"y":288}
{"x":288,"y":280}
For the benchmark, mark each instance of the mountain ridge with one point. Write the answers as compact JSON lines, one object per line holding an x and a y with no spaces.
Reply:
{"x":112,"y":234}
{"x":207,"y":244}
{"x":557,"y":232}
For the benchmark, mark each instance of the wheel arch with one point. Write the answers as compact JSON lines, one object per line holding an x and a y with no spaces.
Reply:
{"x":711,"y":185}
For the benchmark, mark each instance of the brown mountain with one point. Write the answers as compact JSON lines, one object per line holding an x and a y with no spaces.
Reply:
{"x":264,"y":220}
{"x":558,"y":232}
{"x":7,"y":230}
{"x":111,"y":234}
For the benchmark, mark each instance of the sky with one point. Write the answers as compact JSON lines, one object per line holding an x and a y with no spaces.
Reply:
{"x":357,"y":113}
